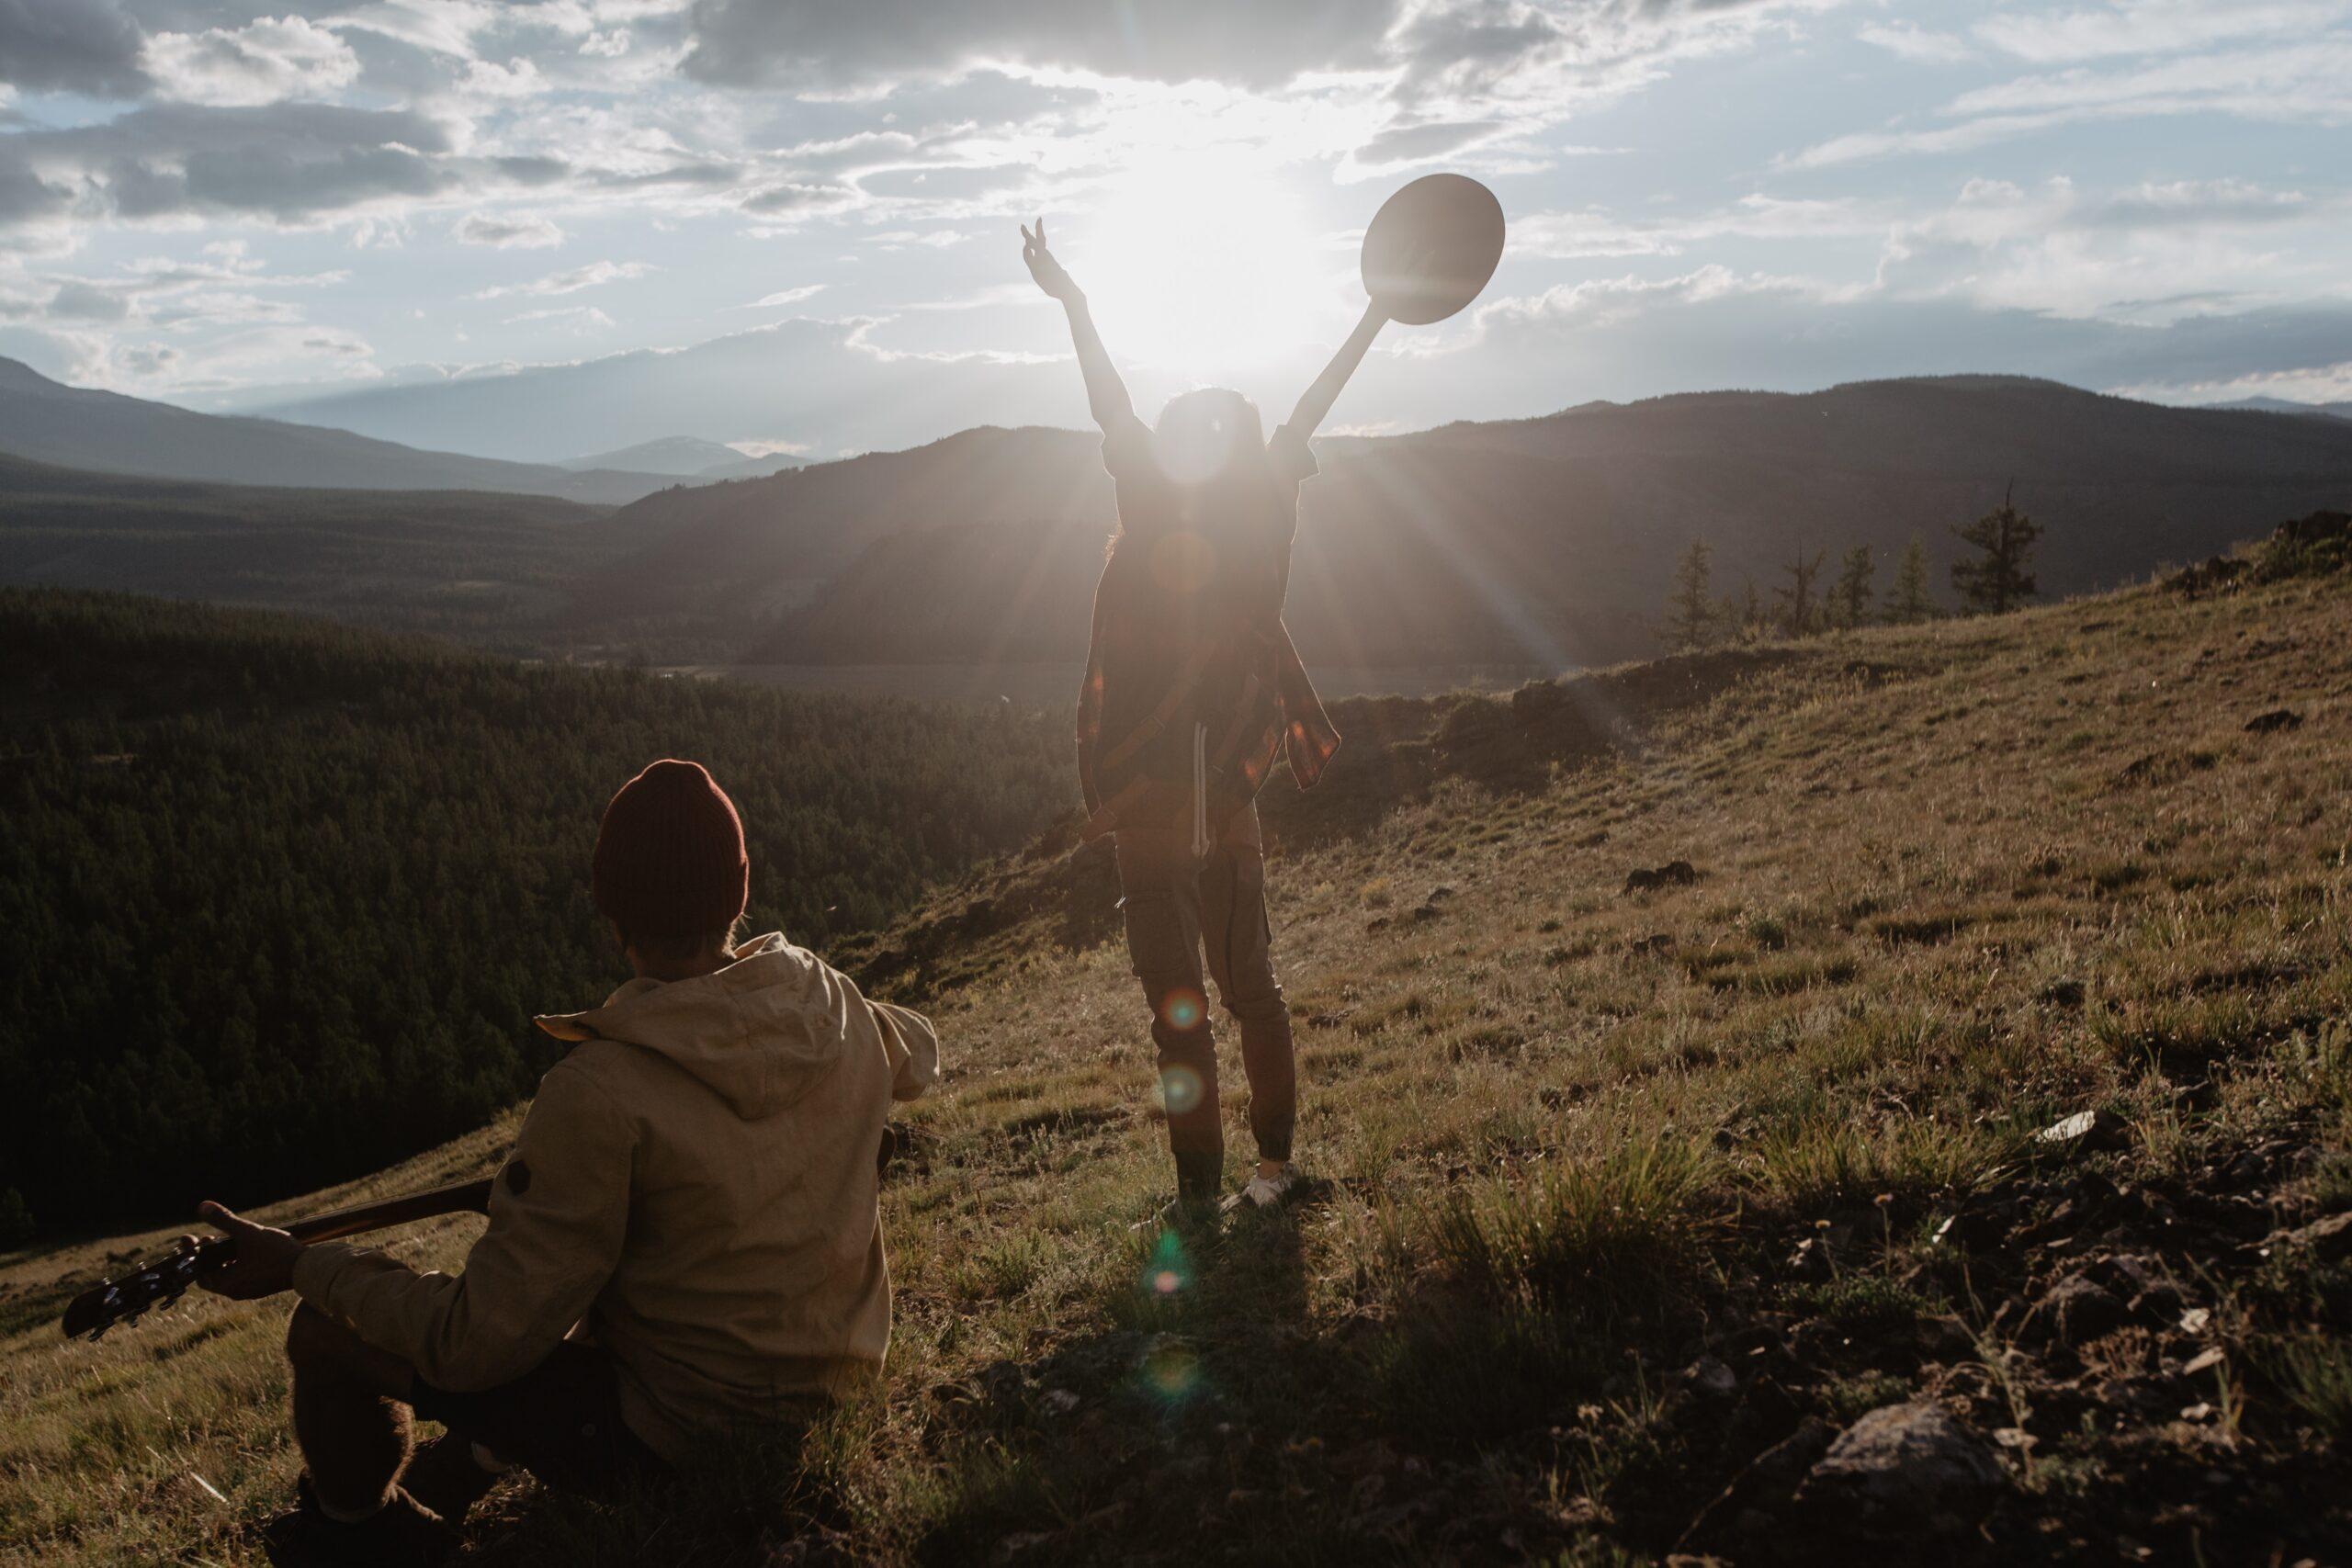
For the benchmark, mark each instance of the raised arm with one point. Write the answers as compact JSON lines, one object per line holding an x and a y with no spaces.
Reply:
{"x":1106,"y":395}
{"x":1316,"y":401}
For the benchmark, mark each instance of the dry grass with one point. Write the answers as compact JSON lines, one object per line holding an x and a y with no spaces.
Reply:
{"x":1957,"y":881}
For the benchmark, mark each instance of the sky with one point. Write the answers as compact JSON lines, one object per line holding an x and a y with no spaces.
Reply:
{"x":276,"y":206}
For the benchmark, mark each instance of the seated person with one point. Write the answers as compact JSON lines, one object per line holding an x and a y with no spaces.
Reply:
{"x":686,"y":1242}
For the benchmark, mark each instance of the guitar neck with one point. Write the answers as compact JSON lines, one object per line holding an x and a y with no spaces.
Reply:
{"x":459,"y":1198}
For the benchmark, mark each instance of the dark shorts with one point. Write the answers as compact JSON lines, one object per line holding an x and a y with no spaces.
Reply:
{"x":562,"y":1421}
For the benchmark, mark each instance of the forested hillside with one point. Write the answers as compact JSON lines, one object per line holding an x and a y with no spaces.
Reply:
{"x":281,"y":898}
{"x":464,"y":564}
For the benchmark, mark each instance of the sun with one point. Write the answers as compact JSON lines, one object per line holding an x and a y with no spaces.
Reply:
{"x":1203,"y":268}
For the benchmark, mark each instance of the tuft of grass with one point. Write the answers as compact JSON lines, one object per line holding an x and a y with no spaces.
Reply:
{"x":2315,"y":1372}
{"x":1820,"y":1161}
{"x":1601,"y":1235}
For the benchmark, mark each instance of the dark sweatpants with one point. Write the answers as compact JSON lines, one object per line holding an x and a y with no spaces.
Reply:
{"x":1179,"y":904}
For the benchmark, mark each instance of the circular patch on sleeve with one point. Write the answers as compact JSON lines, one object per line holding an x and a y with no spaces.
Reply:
{"x":517,"y":1177}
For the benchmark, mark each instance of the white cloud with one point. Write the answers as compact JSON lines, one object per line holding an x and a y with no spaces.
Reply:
{"x":294,"y":353}
{"x":786,"y":297}
{"x":2311,"y":384}
{"x":443,"y":27}
{"x":2306,"y":82}
{"x":1593,"y":233}
{"x":2153,"y":27}
{"x":1916,"y":44}
{"x":578,"y":318}
{"x":526,"y":231}
{"x":517,"y":78}
{"x":1603,"y":303}
{"x":2155,"y":252}
{"x":594,"y":275}
{"x":268,"y":60}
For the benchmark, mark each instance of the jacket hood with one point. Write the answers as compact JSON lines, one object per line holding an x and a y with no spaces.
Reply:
{"x":758,"y":1032}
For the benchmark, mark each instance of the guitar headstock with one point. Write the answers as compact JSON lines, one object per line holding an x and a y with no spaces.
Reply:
{"x":156,"y":1284}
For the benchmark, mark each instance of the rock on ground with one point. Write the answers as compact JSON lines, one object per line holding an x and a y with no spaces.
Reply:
{"x":1902,"y":1469}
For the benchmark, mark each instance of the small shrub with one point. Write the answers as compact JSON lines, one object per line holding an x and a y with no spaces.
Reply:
{"x":1847,"y":1400}
{"x":1863,"y":1303}
{"x":2316,"y":1373}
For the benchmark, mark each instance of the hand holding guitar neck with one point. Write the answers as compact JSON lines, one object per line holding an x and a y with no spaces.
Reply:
{"x":252,"y":1260}
{"x":260,"y":1261}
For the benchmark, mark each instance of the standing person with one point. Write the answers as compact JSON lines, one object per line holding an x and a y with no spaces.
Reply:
{"x":685,"y":1246}
{"x":1192,"y":690}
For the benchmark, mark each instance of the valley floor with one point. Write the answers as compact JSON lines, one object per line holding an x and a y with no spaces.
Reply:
{"x":1626,"y":1199}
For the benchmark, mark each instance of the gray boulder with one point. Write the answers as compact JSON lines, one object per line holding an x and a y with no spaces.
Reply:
{"x":1900,"y":1469}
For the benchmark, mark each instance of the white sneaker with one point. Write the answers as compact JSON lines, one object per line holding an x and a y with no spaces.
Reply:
{"x":1265,"y":1191}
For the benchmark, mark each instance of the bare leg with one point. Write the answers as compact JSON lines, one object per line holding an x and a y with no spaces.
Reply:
{"x":351,"y":1413}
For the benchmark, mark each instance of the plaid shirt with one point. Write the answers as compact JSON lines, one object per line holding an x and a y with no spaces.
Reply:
{"x":1192,"y":687}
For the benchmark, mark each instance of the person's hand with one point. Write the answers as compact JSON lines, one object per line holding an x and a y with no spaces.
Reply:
{"x":1049,"y":273}
{"x":261,"y":1263}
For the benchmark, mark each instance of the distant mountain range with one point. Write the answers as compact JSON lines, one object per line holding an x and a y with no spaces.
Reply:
{"x":751,"y":467}
{"x":2281,"y":405}
{"x":1546,"y":541}
{"x":78,"y":427}
{"x":687,"y":457}
{"x":682,"y":456}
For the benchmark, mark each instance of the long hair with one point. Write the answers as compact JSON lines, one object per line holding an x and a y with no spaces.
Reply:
{"x":1220,"y":523}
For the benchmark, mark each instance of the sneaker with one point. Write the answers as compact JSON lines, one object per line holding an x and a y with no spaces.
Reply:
{"x":445,"y":1478}
{"x":1265,"y":1191}
{"x":403,"y":1533}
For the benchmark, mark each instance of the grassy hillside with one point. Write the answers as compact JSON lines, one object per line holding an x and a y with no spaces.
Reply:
{"x":1630,"y":1199}
{"x":281,"y":896}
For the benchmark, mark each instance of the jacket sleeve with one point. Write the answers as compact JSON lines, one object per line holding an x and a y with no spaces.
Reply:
{"x":911,"y":1047}
{"x":557,"y":1214}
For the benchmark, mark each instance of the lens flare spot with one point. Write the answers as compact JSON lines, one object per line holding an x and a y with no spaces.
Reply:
{"x":1170,"y":1370}
{"x":1179,"y":1090}
{"x":1183,"y":1009}
{"x":1168,"y":1273}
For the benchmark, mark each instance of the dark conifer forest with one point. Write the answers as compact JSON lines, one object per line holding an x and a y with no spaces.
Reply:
{"x":282,"y":898}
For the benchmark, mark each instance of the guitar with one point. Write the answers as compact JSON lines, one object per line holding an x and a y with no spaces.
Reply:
{"x":164,"y":1281}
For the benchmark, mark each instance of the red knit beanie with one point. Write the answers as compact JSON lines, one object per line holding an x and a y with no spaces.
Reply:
{"x":670,"y":862}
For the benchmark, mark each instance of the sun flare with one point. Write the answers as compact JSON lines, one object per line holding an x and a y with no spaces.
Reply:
{"x":1203,"y":268}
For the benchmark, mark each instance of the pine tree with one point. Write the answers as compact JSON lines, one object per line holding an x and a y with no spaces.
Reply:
{"x":1797,"y":613}
{"x":1909,"y":600}
{"x":1850,"y":597}
{"x":2000,"y":581}
{"x":16,"y":1219}
{"x":1752,"y":612}
{"x":1690,"y":614}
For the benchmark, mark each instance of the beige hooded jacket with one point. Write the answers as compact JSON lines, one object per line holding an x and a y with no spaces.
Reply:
{"x":693,"y":1189}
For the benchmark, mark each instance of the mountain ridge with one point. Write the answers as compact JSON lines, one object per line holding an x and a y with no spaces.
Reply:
{"x":1546,"y":540}
{"x":88,"y":428}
